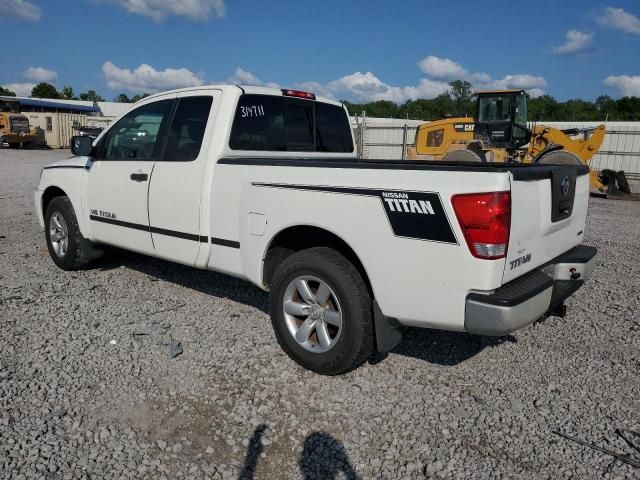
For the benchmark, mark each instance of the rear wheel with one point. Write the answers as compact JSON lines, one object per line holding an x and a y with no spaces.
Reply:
{"x":321,"y":311}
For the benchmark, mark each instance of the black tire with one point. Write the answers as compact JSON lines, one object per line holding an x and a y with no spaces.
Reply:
{"x":355,"y":342}
{"x":462,"y":155}
{"x":78,"y":251}
{"x":559,"y":157}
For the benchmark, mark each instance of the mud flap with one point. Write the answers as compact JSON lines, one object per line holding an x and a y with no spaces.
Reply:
{"x":388,"y":330}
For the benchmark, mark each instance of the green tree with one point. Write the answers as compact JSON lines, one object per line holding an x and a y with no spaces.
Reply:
{"x":91,"y":96}
{"x":607,"y":107}
{"x":44,"y":90}
{"x":628,"y":108}
{"x":5,"y":92}
{"x":122,"y":98}
{"x":137,"y":98}
{"x":462,"y":93}
{"x":67,"y":93}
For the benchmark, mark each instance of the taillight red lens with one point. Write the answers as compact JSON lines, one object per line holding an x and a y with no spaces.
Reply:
{"x":485,"y":220}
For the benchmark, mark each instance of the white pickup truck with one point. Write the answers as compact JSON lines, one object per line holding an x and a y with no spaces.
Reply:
{"x":264,"y":184}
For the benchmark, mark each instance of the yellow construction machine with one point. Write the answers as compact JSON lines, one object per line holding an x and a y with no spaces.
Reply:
{"x":499,"y":133}
{"x":14,"y":127}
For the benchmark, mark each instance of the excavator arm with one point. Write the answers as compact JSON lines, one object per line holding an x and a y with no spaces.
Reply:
{"x":543,"y":137}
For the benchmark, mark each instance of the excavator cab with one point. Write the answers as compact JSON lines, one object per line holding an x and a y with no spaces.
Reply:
{"x":501,"y":118}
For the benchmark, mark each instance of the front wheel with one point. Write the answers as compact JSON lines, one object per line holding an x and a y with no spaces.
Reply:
{"x":69,"y":250}
{"x":321,"y":311}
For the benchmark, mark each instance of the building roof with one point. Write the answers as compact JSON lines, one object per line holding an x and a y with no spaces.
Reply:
{"x":105,"y":109}
{"x":51,"y":103}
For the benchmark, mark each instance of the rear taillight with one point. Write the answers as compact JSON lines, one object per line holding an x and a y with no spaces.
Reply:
{"x":485,"y":220}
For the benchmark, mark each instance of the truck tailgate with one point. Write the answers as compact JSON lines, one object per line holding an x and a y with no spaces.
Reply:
{"x":548,"y":214}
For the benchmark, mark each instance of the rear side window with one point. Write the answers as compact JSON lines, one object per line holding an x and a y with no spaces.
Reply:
{"x":187,"y":129}
{"x":333,"y":133}
{"x":270,"y":123}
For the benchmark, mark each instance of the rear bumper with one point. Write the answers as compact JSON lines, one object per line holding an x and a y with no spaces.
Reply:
{"x":529,"y":297}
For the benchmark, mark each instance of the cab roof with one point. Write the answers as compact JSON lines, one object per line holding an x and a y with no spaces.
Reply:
{"x":488,"y":92}
{"x":245,"y":89}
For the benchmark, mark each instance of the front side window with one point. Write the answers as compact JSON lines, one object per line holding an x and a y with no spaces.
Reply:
{"x":521,"y":110}
{"x":137,"y":135}
{"x":187,"y":129}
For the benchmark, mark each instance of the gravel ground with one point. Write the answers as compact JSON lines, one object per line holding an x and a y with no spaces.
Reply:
{"x":88,"y":388}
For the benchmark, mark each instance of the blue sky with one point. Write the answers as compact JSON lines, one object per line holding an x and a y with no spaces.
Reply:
{"x":356,"y":50}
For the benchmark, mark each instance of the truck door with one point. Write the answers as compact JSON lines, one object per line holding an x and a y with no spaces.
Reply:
{"x":177,"y":185}
{"x":117,"y":181}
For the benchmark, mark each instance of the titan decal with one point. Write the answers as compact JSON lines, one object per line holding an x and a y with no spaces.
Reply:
{"x":418,"y":215}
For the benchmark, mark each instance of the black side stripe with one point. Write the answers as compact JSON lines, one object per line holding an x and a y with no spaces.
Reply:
{"x":51,"y":167}
{"x":164,"y":231}
{"x":225,"y":243}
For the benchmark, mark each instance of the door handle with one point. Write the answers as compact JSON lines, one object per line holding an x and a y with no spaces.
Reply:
{"x":139,"y":177}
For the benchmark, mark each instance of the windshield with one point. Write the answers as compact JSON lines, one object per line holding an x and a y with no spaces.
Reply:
{"x":495,"y":108}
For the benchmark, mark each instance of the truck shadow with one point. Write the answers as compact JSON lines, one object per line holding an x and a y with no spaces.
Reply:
{"x":322,"y":457}
{"x":434,"y":346}
{"x":443,"y":347}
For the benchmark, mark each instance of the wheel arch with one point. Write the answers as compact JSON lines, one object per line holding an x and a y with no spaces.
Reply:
{"x":49,"y":194}
{"x":299,"y":237}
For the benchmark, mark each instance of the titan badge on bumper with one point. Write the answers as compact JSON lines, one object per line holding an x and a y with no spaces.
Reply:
{"x":531,"y":296}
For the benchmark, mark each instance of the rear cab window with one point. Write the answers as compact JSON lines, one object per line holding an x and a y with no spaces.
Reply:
{"x":272,"y":123}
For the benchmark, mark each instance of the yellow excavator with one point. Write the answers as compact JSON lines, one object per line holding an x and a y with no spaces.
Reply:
{"x":499,"y":133}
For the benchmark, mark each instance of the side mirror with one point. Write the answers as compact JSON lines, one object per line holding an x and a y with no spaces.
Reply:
{"x":81,"y":146}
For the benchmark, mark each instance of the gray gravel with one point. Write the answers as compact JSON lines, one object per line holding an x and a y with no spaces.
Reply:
{"x":88,"y":388}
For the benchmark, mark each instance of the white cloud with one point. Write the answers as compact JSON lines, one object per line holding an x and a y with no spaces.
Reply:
{"x":158,"y":10}
{"x":367,"y":87}
{"x":441,"y":69}
{"x":436,"y":67}
{"x":243,"y":77}
{"x":618,"y":19}
{"x":39,"y":74}
{"x":576,"y":42}
{"x":20,"y":9}
{"x":147,"y":79}
{"x":625,"y":84}
{"x":520,"y":80}
{"x":20,"y":89}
